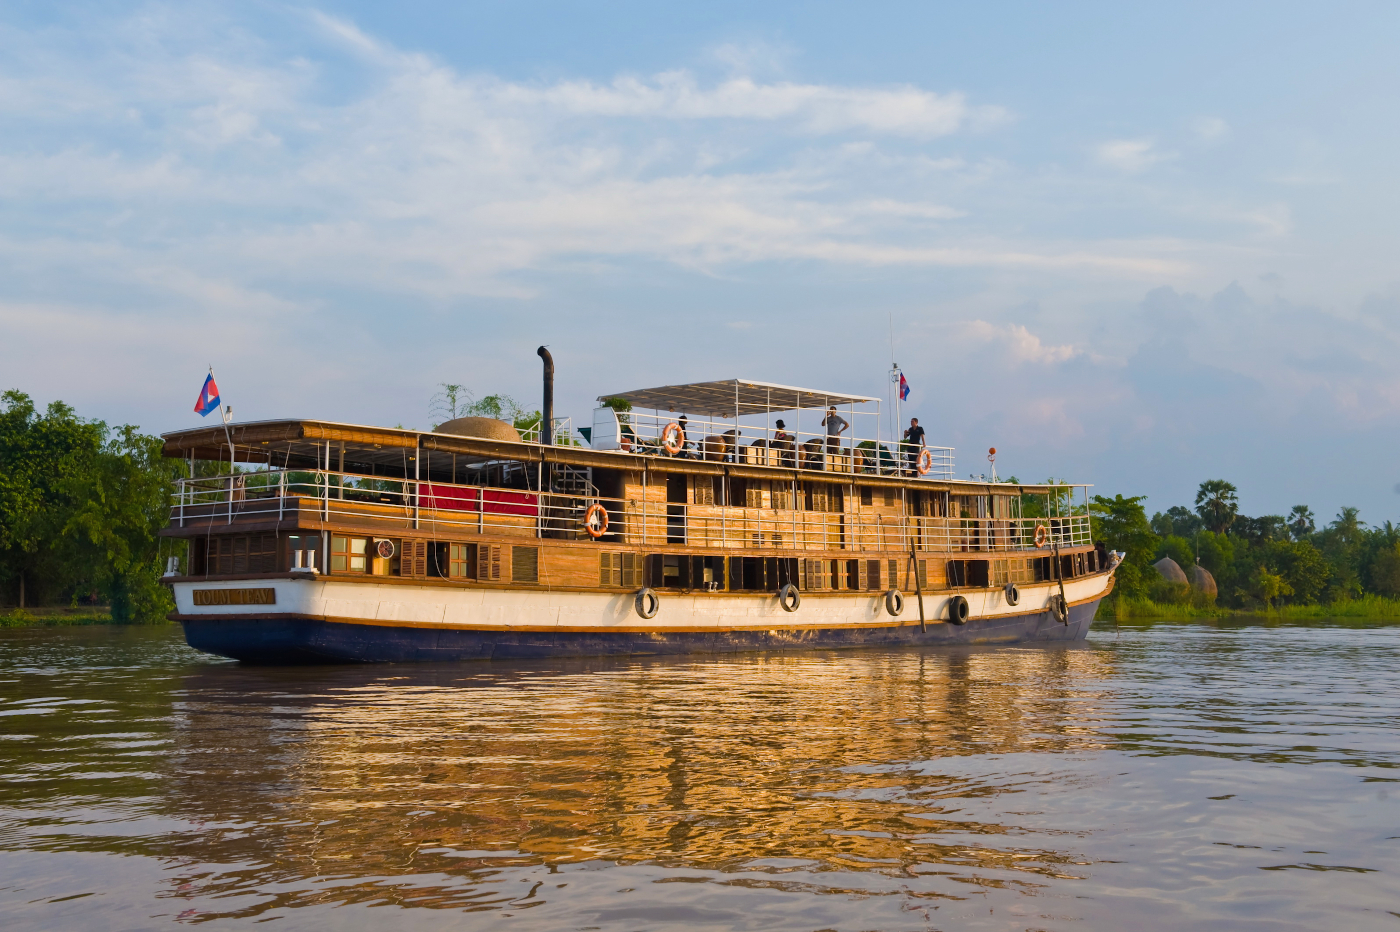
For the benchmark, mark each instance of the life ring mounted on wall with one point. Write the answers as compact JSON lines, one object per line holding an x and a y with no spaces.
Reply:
{"x":595,"y":520}
{"x":1042,"y":535}
{"x":671,"y":438}
{"x":925,"y":461}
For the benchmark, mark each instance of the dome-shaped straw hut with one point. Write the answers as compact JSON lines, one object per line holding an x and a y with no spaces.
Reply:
{"x":1202,"y":581}
{"x":1171,"y":571}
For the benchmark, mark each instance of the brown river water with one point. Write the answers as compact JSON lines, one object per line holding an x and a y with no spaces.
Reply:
{"x":1170,"y":776}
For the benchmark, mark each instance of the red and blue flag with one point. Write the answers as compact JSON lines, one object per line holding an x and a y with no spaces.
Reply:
{"x":903,"y":388}
{"x":208,"y":397}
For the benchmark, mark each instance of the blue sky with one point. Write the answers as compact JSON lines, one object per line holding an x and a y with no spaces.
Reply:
{"x":1137,"y":247}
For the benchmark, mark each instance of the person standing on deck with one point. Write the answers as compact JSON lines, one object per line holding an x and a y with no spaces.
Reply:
{"x":835,"y":426}
{"x":913,"y":446}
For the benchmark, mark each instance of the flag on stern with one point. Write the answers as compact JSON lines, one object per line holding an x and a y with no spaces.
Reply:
{"x":903,"y":388}
{"x":208,"y":397}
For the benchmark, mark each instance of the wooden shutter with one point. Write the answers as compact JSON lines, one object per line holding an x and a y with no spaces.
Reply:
{"x":488,"y":562}
{"x":872,"y":574}
{"x":631,"y":570}
{"x":413,"y":558}
{"x":892,"y":566}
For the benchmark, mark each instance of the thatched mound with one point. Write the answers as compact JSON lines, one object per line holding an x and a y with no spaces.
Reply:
{"x":1202,"y":580}
{"x":487,"y":428}
{"x":1171,"y":571}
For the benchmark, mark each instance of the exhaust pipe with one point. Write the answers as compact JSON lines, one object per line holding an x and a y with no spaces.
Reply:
{"x":547,"y":412}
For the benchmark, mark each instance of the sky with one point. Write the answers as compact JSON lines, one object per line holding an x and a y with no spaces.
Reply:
{"x":1135,"y":245}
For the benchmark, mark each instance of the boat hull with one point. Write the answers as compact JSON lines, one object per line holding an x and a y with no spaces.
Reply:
{"x":263,"y":640}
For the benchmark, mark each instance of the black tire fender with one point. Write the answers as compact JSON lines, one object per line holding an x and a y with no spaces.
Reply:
{"x":1059,"y":608}
{"x":958,"y":610}
{"x":789,"y":598}
{"x":894,"y":602}
{"x":1013,"y":595}
{"x":647,"y":603}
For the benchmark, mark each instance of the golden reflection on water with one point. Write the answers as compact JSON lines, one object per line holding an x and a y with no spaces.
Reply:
{"x":827,"y":761}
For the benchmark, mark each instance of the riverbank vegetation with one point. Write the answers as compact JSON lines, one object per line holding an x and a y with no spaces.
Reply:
{"x":1273,"y":564}
{"x":81,"y":508}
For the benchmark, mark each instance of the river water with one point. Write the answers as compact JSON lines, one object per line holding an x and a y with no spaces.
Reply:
{"x":1171,"y":776}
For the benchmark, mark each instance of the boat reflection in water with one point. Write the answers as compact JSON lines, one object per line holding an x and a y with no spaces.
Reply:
{"x":438,"y":786}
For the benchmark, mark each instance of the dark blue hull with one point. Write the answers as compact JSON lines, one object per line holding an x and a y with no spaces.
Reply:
{"x":301,"y":641}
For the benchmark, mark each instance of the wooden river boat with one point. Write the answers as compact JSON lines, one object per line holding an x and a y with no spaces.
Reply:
{"x":640,"y":534}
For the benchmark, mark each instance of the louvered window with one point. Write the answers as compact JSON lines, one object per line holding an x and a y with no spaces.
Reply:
{"x":488,"y":562}
{"x":619,"y":570}
{"x":525,"y":564}
{"x":413,"y":560}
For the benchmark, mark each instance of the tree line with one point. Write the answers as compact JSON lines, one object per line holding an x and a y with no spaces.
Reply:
{"x":1256,"y":562}
{"x":81,"y":508}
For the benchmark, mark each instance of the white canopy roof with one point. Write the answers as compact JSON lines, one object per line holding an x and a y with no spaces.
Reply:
{"x":735,"y":397}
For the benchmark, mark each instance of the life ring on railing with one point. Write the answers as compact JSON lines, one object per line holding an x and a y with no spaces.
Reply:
{"x":958,"y":610}
{"x":925,"y":461}
{"x":595,"y":521}
{"x":894,"y":602}
{"x":789,"y":598}
{"x":671,"y":438}
{"x":647,"y":603}
{"x":1042,"y":536}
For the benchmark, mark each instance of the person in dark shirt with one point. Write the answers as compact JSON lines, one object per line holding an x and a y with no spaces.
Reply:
{"x":913,"y":444}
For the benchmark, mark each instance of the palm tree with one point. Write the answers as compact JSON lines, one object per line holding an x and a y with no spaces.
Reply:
{"x":1301,"y":522}
{"x":1217,"y":505}
{"x":1348,"y":525}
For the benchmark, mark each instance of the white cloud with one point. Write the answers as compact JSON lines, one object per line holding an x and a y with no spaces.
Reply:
{"x":1014,"y":343}
{"x":1129,"y":155}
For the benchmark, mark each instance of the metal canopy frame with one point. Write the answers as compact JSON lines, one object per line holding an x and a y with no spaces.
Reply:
{"x":733,"y":398}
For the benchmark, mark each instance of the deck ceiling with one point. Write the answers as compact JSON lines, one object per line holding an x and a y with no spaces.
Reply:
{"x":724,"y":398}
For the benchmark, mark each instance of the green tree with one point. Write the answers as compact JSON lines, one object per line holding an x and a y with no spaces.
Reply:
{"x":1385,"y":572}
{"x":122,"y":505}
{"x":43,"y":459}
{"x":1300,"y":522}
{"x":1217,"y":504}
{"x":1300,"y":565}
{"x":1121,"y":524}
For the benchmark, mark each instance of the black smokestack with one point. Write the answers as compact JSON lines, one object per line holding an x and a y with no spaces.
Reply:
{"x":547,"y":414}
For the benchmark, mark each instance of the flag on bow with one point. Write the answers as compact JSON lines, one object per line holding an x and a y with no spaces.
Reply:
{"x":903,"y":388}
{"x":208,"y":397}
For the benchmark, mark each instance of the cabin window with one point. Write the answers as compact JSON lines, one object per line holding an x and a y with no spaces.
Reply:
{"x":413,"y":559}
{"x":753,"y":493}
{"x":872,"y":574}
{"x":703,"y":490}
{"x":974,"y":573}
{"x":782,"y":496}
{"x":824,"y":496}
{"x":525,"y":564}
{"x":1012,"y":571}
{"x":889,"y":496}
{"x":488,"y":562}
{"x":867,"y":495}
{"x":813,"y":574}
{"x":892,"y":568}
{"x":348,"y":554}
{"x":385,"y":566}
{"x":762,"y":573}
{"x":237,"y":555}
{"x":684,"y":571}
{"x":618,"y":570}
{"x":461,"y":561}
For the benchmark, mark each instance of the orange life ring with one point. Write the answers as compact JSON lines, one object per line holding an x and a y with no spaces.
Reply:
{"x":671,"y":436}
{"x":1041,"y":535}
{"x":595,"y":521}
{"x":925,"y":461}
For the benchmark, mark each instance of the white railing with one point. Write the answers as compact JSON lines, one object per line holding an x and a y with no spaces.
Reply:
{"x":767,"y":445}
{"x":562,"y":433}
{"x":771,"y":523}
